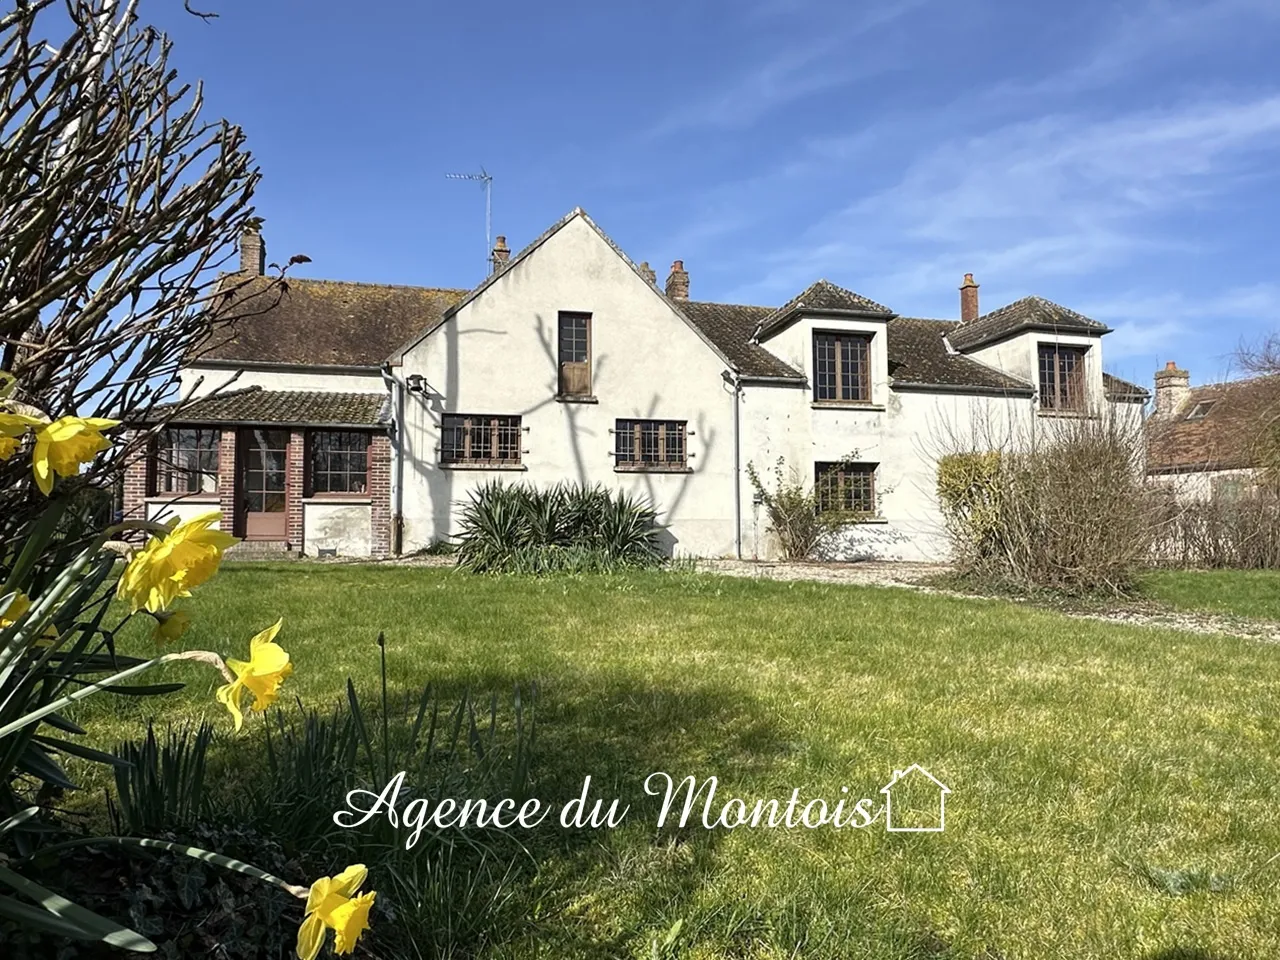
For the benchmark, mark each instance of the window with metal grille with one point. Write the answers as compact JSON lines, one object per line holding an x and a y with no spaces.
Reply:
{"x":650,"y":445}
{"x":339,"y":461}
{"x":480,"y":438}
{"x":1062,"y":377}
{"x":186,"y":460}
{"x":575,"y":354}
{"x":842,"y":367}
{"x":850,"y":487}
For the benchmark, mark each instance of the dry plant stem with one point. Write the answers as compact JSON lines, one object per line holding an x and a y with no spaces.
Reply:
{"x":203,"y":656}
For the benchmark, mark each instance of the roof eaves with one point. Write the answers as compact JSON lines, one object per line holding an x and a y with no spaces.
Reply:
{"x":269,"y":365}
{"x":776,"y":326}
{"x":962,"y":388}
{"x":310,"y":424}
{"x":984,"y":340}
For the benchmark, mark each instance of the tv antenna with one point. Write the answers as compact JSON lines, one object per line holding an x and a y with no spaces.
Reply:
{"x":485,"y":180}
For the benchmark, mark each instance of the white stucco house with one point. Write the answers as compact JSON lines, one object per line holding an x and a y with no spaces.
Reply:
{"x":354,"y":418}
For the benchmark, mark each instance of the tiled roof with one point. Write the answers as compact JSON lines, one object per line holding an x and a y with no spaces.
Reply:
{"x":824,"y":297}
{"x":1029,"y":313}
{"x":1224,"y":438}
{"x":1117,"y":389}
{"x":918,"y":356}
{"x":325,"y":321}
{"x":730,"y":326}
{"x":917,"y":353}
{"x":298,"y":407}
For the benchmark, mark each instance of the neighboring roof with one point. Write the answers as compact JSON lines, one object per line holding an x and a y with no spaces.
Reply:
{"x":255,"y":405}
{"x":1224,"y":438}
{"x":324,"y":322}
{"x":1029,"y":313}
{"x":823,"y":297}
{"x":730,"y":326}
{"x":918,"y":356}
{"x":1122,"y":390}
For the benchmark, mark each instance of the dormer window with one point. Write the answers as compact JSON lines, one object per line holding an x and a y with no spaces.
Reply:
{"x":1062,"y":378}
{"x":1201,"y":410}
{"x":842,"y":367}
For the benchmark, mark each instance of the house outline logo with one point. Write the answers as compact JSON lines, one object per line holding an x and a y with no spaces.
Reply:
{"x":887,"y":790}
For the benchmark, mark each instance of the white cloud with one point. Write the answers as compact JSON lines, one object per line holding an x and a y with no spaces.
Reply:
{"x":797,"y":69}
{"x":1148,"y":323}
{"x":1056,"y":196}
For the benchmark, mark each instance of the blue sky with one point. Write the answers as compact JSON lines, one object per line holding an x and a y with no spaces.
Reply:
{"x":1118,"y":158}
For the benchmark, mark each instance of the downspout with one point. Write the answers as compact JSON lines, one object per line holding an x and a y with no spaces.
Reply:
{"x":735,"y":382}
{"x":397,"y":458}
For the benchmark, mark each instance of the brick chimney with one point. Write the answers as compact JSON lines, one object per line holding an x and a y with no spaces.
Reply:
{"x":1173,"y":386}
{"x":501,"y":254}
{"x":648,"y":273}
{"x":253,"y":253}
{"x":678,"y":282}
{"x":968,"y":299}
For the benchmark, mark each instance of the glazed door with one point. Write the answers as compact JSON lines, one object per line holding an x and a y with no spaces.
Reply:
{"x":264,"y":455}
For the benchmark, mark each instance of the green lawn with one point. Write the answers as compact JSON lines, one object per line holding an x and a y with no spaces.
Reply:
{"x":1242,"y":593}
{"x":1076,"y":751}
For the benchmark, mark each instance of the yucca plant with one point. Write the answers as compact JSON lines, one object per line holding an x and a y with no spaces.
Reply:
{"x":563,"y":528}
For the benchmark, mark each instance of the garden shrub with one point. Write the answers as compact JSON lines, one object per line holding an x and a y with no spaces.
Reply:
{"x":564,"y":528}
{"x":794,"y":510}
{"x":1069,"y":513}
{"x":1232,"y":528}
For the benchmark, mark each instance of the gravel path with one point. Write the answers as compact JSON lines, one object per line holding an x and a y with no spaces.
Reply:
{"x":909,"y":575}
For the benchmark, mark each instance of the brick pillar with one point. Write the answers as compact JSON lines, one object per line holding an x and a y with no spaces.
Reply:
{"x":227,"y":478}
{"x":293,"y":487}
{"x":136,"y":476}
{"x":380,"y":493}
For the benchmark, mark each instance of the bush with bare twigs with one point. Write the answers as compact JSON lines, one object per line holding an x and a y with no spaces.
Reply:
{"x":1232,"y":528}
{"x":1065,"y":509}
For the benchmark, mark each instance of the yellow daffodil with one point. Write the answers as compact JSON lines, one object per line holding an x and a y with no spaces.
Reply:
{"x":15,"y":611}
{"x":170,"y":626}
{"x":334,"y":903}
{"x":66,"y":443}
{"x":268,"y":667}
{"x":168,"y":568}
{"x":13,"y":426}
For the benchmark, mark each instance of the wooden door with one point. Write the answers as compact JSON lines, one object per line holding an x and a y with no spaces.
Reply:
{"x":264,"y":458}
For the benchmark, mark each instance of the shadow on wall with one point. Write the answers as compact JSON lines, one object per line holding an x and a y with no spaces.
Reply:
{"x":442,"y":486}
{"x":862,"y":542}
{"x":666,"y":542}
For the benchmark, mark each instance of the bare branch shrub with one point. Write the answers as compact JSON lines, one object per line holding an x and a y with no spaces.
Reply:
{"x":1061,"y":505}
{"x":795,"y":508}
{"x":118,"y":207}
{"x":1236,"y":528}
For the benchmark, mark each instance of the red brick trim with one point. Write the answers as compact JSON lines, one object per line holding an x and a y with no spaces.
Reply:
{"x":227,"y":481}
{"x":295,"y":477}
{"x":380,"y":492}
{"x":137,"y":481}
